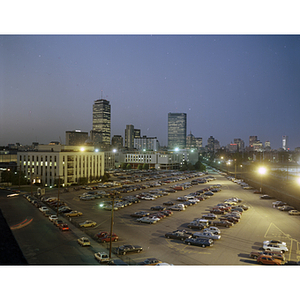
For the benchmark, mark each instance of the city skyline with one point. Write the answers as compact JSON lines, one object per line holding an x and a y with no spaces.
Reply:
{"x":229,"y":86}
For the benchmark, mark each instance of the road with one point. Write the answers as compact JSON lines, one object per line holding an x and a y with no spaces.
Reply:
{"x":261,"y":222}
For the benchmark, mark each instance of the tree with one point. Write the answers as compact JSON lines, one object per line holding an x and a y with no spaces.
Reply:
{"x":105,"y":177}
{"x":123,"y":166}
{"x":140,"y":167}
{"x":128,"y":167}
{"x":146,"y":166}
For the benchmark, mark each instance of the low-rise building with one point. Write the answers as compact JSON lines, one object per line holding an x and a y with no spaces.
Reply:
{"x":67,"y":163}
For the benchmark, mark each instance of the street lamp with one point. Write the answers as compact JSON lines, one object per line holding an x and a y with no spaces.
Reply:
{"x":262,"y":171}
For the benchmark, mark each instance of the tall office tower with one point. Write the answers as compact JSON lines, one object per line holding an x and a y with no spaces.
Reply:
{"x":284,"y":142}
{"x":129,"y":136}
{"x":177,"y":130}
{"x":101,"y":120}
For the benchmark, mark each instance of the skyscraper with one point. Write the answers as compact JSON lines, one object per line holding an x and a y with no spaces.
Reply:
{"x":284,"y":142}
{"x":101,"y":121}
{"x":177,"y":130}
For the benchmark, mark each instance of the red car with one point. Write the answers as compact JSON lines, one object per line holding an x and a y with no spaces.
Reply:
{"x":268,"y":260}
{"x":104,"y":233}
{"x":106,"y":238}
{"x":63,"y":227}
{"x":217,"y":211}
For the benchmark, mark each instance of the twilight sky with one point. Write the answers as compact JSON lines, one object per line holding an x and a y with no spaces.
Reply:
{"x":230,"y":86}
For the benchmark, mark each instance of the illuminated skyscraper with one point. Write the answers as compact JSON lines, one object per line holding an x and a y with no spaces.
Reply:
{"x":284,"y":142}
{"x":102,"y":121}
{"x":177,"y":130}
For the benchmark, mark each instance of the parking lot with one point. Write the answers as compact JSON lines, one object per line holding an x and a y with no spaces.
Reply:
{"x":260,"y":222}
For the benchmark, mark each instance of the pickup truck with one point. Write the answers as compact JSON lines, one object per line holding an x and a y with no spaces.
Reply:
{"x":124,"y":249}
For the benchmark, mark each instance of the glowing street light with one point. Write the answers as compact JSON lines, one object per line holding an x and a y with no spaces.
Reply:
{"x":262,"y":171}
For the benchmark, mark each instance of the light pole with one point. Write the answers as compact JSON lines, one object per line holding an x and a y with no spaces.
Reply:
{"x":262,"y":171}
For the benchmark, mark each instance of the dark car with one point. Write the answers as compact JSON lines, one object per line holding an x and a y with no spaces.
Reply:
{"x":223,"y":223}
{"x":158,"y":207}
{"x":150,"y":262}
{"x":230,"y":219}
{"x":196,"y":225}
{"x":199,"y":242}
{"x":178,"y":235}
{"x":124,"y":249}
{"x":266,"y":197}
{"x":169,"y":203}
{"x":140,"y":214}
{"x":209,"y":216}
{"x":217,"y":211}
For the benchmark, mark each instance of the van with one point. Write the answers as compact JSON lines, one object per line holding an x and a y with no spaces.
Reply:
{"x":203,"y":222}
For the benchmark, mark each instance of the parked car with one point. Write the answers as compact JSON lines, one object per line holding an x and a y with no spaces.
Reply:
{"x":169,"y":203}
{"x":88,"y":223}
{"x":158,"y":207}
{"x":274,"y":242}
{"x":294,"y":212}
{"x":106,"y":238}
{"x":209,"y":216}
{"x":148,"y":220}
{"x":124,"y":249}
{"x":178,"y":235}
{"x":150,"y":262}
{"x":266,"y":197}
{"x":177,"y":207}
{"x":64,"y":227}
{"x":101,"y":257}
{"x":275,"y":247}
{"x":43,"y":209}
{"x":206,"y":235}
{"x":268,"y":260}
{"x":223,"y":223}
{"x":52,"y":218}
{"x":102,"y":234}
{"x":212,"y":229}
{"x":140,"y":214}
{"x":58,"y":222}
{"x":217,"y":211}
{"x":73,"y":213}
{"x":199,"y":242}
{"x":83,"y":241}
{"x":277,"y":255}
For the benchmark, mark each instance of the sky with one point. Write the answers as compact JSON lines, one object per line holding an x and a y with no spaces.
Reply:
{"x":230,"y":86}
{"x":233,"y":77}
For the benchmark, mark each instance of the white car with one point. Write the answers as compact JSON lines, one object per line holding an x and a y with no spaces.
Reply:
{"x":53,"y":218}
{"x":275,"y":247}
{"x":214,"y":230}
{"x":148,"y":220}
{"x":84,"y":241}
{"x":12,"y":195}
{"x":274,"y":242}
{"x":43,"y":209}
{"x":177,"y":207}
{"x":294,"y":212}
{"x":101,"y":257}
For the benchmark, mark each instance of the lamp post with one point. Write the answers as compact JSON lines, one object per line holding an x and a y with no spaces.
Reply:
{"x":111,"y":224}
{"x":262,"y":171}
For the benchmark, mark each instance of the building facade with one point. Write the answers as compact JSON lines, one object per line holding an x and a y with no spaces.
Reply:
{"x":102,"y":121}
{"x":76,"y":137}
{"x":66,"y":163}
{"x":146,"y":143}
{"x":117,"y":141}
{"x":157,"y":160}
{"x":177,"y":123}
